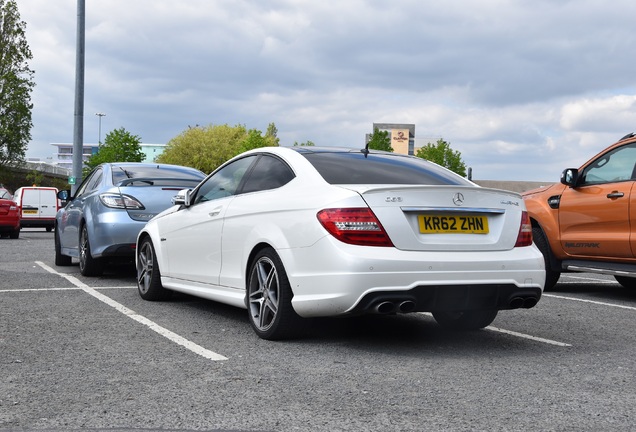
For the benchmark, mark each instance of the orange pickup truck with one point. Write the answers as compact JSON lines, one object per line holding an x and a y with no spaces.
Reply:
{"x":587,"y":223}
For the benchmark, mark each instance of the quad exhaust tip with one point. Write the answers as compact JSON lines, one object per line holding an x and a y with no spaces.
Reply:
{"x":387,"y":307}
{"x":523,"y":302}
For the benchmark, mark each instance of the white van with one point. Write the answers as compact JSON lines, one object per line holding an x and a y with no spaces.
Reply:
{"x":38,"y":206}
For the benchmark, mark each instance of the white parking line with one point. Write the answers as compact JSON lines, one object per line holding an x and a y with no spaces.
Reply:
{"x":525,"y":336}
{"x":63,"y":289}
{"x":197,"y":349}
{"x":37,"y":289}
{"x":521,"y":335}
{"x":590,"y":301}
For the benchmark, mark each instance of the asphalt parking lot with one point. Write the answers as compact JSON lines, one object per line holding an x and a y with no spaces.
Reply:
{"x":82,"y":353}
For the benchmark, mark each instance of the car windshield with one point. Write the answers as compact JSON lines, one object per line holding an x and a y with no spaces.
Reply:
{"x":155,"y":175}
{"x":379,"y":168}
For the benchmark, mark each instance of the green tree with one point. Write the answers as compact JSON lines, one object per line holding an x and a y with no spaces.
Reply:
{"x":119,"y":146}
{"x":255,"y":139}
{"x":442,"y":154}
{"x":207,"y":147}
{"x":380,"y":140}
{"x":35,"y":177}
{"x":16,"y":84}
{"x":272,"y":133}
{"x":303,"y":144}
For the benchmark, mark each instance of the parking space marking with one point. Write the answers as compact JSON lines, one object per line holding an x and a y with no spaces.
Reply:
{"x":590,"y":301}
{"x":517,"y":334}
{"x":38,"y":289}
{"x":526,"y":336}
{"x":197,"y":349}
{"x":63,"y":289}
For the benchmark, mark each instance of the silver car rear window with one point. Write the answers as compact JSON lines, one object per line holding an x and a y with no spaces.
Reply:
{"x":156,"y":174}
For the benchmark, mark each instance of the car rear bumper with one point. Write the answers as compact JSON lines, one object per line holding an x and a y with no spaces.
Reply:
{"x":37,"y":223}
{"x":336,"y":279}
{"x":114,"y":235}
{"x":464,"y":297}
{"x":6,"y":229}
{"x":9,"y":225}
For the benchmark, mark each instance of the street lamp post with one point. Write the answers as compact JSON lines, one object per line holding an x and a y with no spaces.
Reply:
{"x":99,"y":138}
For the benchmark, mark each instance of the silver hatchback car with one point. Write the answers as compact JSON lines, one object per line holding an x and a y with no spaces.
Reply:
{"x":101,"y":221}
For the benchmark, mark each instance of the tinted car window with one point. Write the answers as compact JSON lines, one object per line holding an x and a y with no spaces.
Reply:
{"x":268,"y":173}
{"x":95,"y":181}
{"x":89,"y":182}
{"x":225,"y":181}
{"x":615,"y":166}
{"x":356,"y":168}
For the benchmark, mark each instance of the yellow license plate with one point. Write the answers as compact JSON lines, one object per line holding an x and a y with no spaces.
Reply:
{"x":451,"y":224}
{"x":29,"y":212}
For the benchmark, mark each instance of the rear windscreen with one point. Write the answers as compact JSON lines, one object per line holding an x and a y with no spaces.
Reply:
{"x":156,"y":175}
{"x":356,"y":168}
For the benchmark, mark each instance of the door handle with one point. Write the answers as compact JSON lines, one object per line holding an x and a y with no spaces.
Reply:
{"x":215,"y":212}
{"x":615,"y":194}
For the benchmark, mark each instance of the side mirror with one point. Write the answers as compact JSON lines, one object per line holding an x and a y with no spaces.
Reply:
{"x":182,"y":198}
{"x":570,"y":176}
{"x":64,"y":195}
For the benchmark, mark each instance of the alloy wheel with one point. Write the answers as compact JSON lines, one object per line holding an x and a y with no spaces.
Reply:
{"x":145,"y":267}
{"x":264,"y":293}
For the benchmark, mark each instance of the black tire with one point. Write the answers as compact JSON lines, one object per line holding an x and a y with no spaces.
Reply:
{"x":60,"y":260}
{"x":551,"y":276}
{"x":15,"y":234}
{"x":627,"y":282}
{"x":466,"y":320}
{"x":49,"y":229}
{"x":268,"y":298}
{"x":89,"y":266}
{"x":149,"y":275}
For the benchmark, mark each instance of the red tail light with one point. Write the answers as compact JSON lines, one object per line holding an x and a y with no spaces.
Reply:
{"x":525,"y":231}
{"x":357,"y":226}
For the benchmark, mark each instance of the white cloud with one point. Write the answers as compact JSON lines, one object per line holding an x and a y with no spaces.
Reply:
{"x":521,"y":89}
{"x":604,"y":114}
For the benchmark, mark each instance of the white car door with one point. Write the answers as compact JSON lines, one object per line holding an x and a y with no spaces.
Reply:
{"x":191,"y":237}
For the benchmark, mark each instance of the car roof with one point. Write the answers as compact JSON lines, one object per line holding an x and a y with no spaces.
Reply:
{"x":314,"y":149}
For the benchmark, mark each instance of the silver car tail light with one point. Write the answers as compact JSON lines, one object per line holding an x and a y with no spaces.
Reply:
{"x":120,"y":201}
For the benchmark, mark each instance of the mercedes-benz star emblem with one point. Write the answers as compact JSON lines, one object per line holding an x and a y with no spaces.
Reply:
{"x":458,"y":199}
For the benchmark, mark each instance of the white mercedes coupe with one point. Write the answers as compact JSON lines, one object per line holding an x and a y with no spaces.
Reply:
{"x":292,"y":233}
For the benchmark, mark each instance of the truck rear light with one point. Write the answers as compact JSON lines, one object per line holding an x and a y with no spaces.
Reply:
{"x":356,"y":226}
{"x":525,"y":231}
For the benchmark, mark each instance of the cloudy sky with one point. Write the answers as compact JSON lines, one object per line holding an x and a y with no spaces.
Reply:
{"x":523,"y":89}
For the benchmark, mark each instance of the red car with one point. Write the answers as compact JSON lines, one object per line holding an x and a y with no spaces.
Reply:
{"x":9,"y":216}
